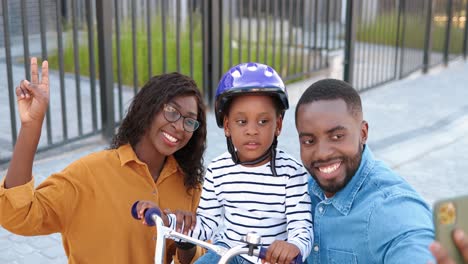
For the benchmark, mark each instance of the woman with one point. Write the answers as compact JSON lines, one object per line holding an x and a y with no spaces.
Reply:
{"x":157,"y":155}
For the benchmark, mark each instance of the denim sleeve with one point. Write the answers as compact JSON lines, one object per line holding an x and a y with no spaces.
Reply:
{"x":400,"y":230}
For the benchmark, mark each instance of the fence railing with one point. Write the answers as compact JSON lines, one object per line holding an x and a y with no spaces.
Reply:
{"x":393,"y":38}
{"x":101,"y":52}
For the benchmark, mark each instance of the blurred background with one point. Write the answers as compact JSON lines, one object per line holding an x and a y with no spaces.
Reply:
{"x":101,"y":52}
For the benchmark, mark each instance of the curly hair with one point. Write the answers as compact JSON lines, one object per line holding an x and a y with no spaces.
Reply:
{"x":148,"y":102}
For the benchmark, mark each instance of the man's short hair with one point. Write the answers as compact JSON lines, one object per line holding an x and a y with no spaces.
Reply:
{"x":332,"y":89}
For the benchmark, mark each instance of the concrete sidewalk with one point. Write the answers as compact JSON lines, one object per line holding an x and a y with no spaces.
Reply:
{"x":417,"y":125}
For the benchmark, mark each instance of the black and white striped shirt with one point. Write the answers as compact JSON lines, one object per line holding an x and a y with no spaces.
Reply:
{"x":238,"y":199}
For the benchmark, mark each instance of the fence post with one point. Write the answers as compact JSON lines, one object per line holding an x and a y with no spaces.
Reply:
{"x":402,"y":43}
{"x":465,"y":37}
{"x":428,"y":38}
{"x":350,"y":38}
{"x":327,"y":32}
{"x":104,"y":10}
{"x":448,"y":32}
{"x":9,"y":63}
{"x":211,"y":48}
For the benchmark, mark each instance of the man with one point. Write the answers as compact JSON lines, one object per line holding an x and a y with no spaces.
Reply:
{"x":363,"y":212}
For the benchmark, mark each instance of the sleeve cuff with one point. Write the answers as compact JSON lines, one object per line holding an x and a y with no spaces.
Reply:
{"x":301,"y":248}
{"x":18,"y":196}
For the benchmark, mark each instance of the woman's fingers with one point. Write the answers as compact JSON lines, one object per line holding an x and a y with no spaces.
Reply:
{"x":141,"y":208}
{"x":189,"y":222}
{"x":194,"y":221}
{"x":45,"y":75}
{"x":180,"y":219}
{"x":20,"y":93}
{"x":185,"y":221}
{"x":34,"y":71}
{"x":24,"y":90}
{"x":27,"y":89}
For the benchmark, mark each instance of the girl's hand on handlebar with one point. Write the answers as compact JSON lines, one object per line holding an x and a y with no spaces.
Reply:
{"x":281,"y":252}
{"x":142,"y":206}
{"x":186,"y":220}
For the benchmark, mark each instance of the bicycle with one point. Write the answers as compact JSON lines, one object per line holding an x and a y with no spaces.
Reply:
{"x":252,"y":240}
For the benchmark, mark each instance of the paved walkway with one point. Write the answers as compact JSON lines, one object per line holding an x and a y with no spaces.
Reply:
{"x":417,"y":125}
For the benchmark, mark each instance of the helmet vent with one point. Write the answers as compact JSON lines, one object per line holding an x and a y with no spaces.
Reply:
{"x":252,"y":66}
{"x":268,"y":73}
{"x":236,"y":74}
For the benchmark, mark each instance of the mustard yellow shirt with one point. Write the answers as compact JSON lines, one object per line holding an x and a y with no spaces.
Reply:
{"x":89,"y":203}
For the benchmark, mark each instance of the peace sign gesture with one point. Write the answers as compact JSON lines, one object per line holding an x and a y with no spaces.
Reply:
{"x":33,"y":97}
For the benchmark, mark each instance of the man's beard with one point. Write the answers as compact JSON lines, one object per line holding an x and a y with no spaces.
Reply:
{"x":352,"y":165}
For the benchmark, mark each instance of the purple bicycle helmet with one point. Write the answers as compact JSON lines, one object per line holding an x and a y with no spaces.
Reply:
{"x":247,"y":78}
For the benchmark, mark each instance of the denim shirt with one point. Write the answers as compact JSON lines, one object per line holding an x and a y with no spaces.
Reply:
{"x":377,"y":218}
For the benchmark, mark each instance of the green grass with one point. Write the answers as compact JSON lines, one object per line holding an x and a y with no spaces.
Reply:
{"x":126,"y":56}
{"x":171,"y":53}
{"x":383,"y":31}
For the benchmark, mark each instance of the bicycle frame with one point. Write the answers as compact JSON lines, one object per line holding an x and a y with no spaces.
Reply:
{"x":252,"y":240}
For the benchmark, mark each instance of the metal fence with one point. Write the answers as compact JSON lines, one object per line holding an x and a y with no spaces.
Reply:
{"x":390,"y":39}
{"x":101,"y":52}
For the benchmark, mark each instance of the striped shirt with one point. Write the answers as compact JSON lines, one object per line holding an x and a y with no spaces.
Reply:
{"x":238,"y":199}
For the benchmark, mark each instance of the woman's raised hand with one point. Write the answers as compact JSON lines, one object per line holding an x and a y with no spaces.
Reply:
{"x":33,"y":96}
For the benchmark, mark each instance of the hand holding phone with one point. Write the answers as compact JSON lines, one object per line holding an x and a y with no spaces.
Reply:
{"x":448,"y":215}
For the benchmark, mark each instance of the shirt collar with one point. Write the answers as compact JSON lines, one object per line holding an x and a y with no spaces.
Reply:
{"x":170,"y":167}
{"x":127,"y":154}
{"x":343,"y":200}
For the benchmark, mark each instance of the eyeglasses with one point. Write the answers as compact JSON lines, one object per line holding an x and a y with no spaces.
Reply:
{"x":172,"y":115}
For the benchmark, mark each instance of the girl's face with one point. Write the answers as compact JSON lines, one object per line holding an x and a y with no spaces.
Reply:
{"x":252,"y":123}
{"x":166,"y":136}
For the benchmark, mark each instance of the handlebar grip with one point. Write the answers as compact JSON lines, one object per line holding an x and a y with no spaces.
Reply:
{"x":149,"y":215}
{"x":134,"y":210}
{"x":296,"y":260}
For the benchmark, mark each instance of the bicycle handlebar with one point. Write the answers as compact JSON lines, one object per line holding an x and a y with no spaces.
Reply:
{"x":148,"y":214}
{"x":151,"y":216}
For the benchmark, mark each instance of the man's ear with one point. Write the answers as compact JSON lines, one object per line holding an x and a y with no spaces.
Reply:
{"x":364,"y":131}
{"x":227,"y":132}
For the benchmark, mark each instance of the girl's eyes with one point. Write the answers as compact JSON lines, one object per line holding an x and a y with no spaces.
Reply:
{"x":243,"y":122}
{"x":263,"y":121}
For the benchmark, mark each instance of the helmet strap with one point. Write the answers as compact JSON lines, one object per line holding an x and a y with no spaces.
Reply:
{"x":271,"y":152}
{"x":232,"y":150}
{"x":273,"y":156}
